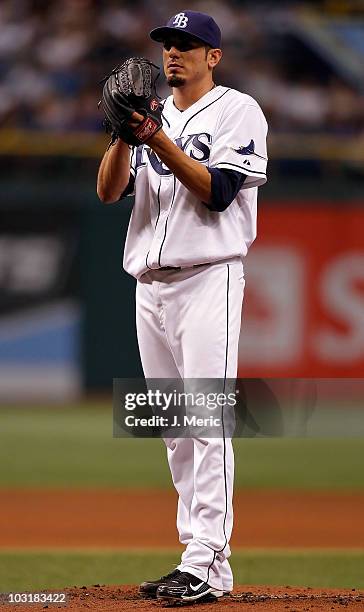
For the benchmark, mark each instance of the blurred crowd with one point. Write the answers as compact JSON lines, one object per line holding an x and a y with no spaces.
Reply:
{"x":54,"y":54}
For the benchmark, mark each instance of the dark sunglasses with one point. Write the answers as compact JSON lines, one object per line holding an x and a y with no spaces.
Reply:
{"x":182,"y":45}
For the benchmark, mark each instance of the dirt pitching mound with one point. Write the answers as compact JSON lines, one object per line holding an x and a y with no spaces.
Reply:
{"x":261,"y":599}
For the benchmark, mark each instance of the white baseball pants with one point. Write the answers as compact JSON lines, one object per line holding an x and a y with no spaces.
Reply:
{"x":188,"y":325}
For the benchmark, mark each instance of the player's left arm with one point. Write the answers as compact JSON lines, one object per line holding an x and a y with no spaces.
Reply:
{"x":193,"y":175}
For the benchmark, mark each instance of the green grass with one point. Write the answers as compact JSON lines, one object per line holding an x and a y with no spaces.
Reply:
{"x":42,"y":570}
{"x":74,"y":447}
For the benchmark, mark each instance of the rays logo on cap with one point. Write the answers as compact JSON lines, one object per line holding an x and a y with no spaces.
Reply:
{"x":180,"y":20}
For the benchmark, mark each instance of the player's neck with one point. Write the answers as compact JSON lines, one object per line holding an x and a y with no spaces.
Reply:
{"x":185,"y":96}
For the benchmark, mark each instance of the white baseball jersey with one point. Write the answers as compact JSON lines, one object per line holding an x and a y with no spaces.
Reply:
{"x":169,"y":226}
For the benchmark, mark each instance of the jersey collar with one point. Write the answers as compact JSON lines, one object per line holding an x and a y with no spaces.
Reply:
{"x":170,"y":110}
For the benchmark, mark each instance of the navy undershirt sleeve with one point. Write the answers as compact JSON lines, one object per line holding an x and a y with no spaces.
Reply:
{"x":225,"y":185}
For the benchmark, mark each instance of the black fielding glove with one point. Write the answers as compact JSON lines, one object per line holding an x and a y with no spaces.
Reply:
{"x":131,"y":88}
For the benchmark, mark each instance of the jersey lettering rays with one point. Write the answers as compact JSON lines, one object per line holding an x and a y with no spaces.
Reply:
{"x":197,"y":146}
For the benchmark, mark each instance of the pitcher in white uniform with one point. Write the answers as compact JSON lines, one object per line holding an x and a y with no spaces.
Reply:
{"x":195,"y":184}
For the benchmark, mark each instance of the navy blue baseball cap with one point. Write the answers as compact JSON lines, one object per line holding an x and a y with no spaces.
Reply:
{"x":198,"y":25}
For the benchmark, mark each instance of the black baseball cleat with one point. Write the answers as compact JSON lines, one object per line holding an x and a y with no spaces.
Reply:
{"x":186,"y":588}
{"x":149,"y":588}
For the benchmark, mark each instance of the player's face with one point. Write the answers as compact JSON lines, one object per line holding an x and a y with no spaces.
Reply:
{"x":185,"y":59}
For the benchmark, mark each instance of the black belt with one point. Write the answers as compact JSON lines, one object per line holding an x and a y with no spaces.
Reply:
{"x":179,"y":267}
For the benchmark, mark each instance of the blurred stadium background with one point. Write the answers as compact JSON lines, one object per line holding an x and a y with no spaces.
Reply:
{"x":67,"y":309}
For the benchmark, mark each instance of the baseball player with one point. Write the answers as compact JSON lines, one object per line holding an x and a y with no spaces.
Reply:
{"x":195,"y":177}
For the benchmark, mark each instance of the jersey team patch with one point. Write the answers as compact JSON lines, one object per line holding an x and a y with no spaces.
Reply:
{"x":248,"y":150}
